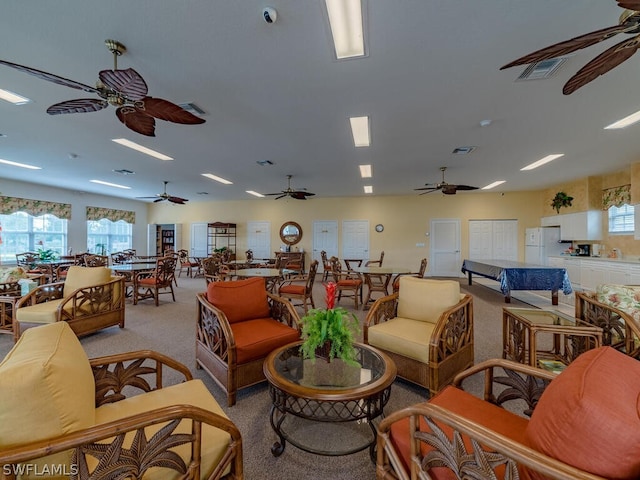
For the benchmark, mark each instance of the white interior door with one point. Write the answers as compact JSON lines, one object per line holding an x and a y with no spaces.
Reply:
{"x":505,"y":240}
{"x":480,"y":239}
{"x":259,"y":239}
{"x":445,"y":248}
{"x":355,"y":239}
{"x":325,"y":237}
{"x":199,"y":239}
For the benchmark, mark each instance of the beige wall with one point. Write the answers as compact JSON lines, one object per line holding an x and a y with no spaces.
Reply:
{"x":406,"y":219}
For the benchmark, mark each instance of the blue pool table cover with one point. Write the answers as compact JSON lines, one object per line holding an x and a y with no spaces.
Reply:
{"x":520,"y":276}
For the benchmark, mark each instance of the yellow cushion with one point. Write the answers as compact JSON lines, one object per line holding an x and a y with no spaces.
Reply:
{"x":425,"y":299}
{"x":47,"y":389}
{"x":45,"y":312}
{"x":79,"y":277}
{"x":194,"y":392}
{"x":403,"y":336}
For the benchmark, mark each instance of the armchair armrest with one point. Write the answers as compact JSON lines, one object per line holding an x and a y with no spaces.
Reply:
{"x":43,"y":293}
{"x":140,"y":370}
{"x":282,"y":310}
{"x":93,"y":300}
{"x":131,"y":460}
{"x":383,"y":309}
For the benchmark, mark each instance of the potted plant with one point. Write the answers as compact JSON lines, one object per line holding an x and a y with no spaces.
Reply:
{"x":329,"y":333}
{"x":561,"y":200}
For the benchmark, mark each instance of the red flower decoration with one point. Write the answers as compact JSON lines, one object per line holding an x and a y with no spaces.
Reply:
{"x":330,"y":299}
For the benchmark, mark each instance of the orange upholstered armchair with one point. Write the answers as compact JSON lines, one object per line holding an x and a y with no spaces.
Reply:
{"x":584,"y":423}
{"x":239,"y":324}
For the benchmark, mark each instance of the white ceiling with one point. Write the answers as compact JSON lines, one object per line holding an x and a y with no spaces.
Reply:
{"x":274,"y":92}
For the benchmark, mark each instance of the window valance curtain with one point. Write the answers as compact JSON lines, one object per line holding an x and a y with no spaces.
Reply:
{"x":616,"y":196}
{"x":9,"y":205}
{"x":98,"y":213}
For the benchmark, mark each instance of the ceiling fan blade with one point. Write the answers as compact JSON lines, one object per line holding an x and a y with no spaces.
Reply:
{"x":137,"y":121}
{"x":155,"y":196}
{"x":569,"y":46}
{"x":177,"y":200}
{"x":50,"y":77}
{"x":278,"y":193}
{"x":81,"y":105}
{"x":464,"y":187}
{"x":127,"y":82}
{"x":630,"y":4}
{"x":166,"y":110}
{"x":281,"y":196}
{"x":298,"y":195}
{"x":161,"y":199}
{"x":604,"y":62}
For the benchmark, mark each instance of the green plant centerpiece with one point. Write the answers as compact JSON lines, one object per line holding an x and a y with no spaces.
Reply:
{"x":561,"y":200}
{"x":330,"y":333}
{"x":47,"y":254}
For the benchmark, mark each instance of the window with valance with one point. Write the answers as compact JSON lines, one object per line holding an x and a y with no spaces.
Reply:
{"x":10,"y":205}
{"x":99,"y":213}
{"x":616,"y":197}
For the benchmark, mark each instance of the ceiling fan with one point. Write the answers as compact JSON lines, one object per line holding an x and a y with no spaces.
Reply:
{"x":161,"y":197}
{"x":629,"y":22}
{"x":124,"y":89}
{"x":290,"y":192}
{"x":447,"y":188}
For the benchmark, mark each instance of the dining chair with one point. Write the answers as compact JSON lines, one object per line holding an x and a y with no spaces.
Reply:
{"x":156,"y":282}
{"x":419,"y":274}
{"x":300,"y":288}
{"x":375,"y":282}
{"x":96,"y":261}
{"x":188,"y":264}
{"x":326,"y":266}
{"x":375,"y":263}
{"x":349,"y":281}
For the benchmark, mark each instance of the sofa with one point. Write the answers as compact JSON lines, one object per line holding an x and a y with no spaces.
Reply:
{"x":529,"y":423}
{"x":109,"y":417}
{"x":89,"y":300}
{"x":615,"y":309}
{"x":238,"y":324}
{"x":426,"y":328}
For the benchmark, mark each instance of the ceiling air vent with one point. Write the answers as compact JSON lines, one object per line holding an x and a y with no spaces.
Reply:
{"x":192,"y":108}
{"x":264,"y":163}
{"x":542,"y":69}
{"x":463,"y":150}
{"x":124,"y":171}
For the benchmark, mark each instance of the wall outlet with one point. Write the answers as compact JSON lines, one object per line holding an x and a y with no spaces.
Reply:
{"x":419,"y":244}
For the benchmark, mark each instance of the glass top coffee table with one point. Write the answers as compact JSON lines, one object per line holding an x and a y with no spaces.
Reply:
{"x":545,"y":338}
{"x":327,"y":408}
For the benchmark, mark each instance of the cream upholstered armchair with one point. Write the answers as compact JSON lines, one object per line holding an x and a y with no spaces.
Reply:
{"x":524,"y":422}
{"x":426,"y":328}
{"x":89,"y":300}
{"x":109,"y":417}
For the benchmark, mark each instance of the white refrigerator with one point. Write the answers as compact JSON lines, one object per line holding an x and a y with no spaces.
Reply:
{"x":542,"y":242}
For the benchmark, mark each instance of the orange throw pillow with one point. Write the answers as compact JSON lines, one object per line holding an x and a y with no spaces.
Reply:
{"x":240,"y":300}
{"x":589,"y":416}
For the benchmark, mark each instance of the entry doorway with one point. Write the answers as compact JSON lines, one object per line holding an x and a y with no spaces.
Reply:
{"x":259,"y":239}
{"x":325,"y":237}
{"x":445,"y":258}
{"x":355,"y":239}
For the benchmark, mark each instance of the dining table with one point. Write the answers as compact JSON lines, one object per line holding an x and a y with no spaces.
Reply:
{"x":129,"y":271}
{"x":271,"y":275}
{"x":385,"y":274}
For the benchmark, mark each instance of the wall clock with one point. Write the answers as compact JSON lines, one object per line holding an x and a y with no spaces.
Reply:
{"x":379,"y":228}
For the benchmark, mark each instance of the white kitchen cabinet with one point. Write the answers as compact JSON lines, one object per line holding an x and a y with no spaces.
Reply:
{"x":572,"y":266}
{"x":581,"y":225}
{"x":552,"y":221}
{"x":634,"y":275}
{"x":592,"y":274}
{"x":619,"y":273}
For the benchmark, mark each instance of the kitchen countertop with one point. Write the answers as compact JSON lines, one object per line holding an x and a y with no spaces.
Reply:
{"x":629,"y":259}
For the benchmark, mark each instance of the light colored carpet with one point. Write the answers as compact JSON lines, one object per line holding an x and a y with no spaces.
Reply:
{"x":170,"y":329}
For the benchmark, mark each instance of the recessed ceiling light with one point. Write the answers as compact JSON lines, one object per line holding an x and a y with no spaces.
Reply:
{"x":255,"y":194}
{"x":360,"y":131}
{"x":108,"y":184}
{"x":368,"y":189}
{"x":625,"y":122}
{"x":13,"y":97}
{"x":542,"y":161}
{"x":216,"y":178}
{"x":494,"y":184}
{"x":133,"y":145}
{"x":485,"y":123}
{"x":21,"y":165}
{"x":347,"y":27}
{"x":365,"y":171}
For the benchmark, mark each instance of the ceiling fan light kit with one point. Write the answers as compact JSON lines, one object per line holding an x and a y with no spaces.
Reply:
{"x":124,"y":89}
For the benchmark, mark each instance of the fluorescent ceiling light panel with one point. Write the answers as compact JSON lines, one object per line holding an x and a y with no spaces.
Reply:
{"x":255,"y":194}
{"x":347,"y":30}
{"x":133,"y":145}
{"x":13,"y":97}
{"x":542,"y":161}
{"x":360,"y":131}
{"x":368,"y":189}
{"x":365,"y":171}
{"x":110,"y":184}
{"x":216,"y":178}
{"x":625,"y":122}
{"x":493,"y":185}
{"x":21,"y":165}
